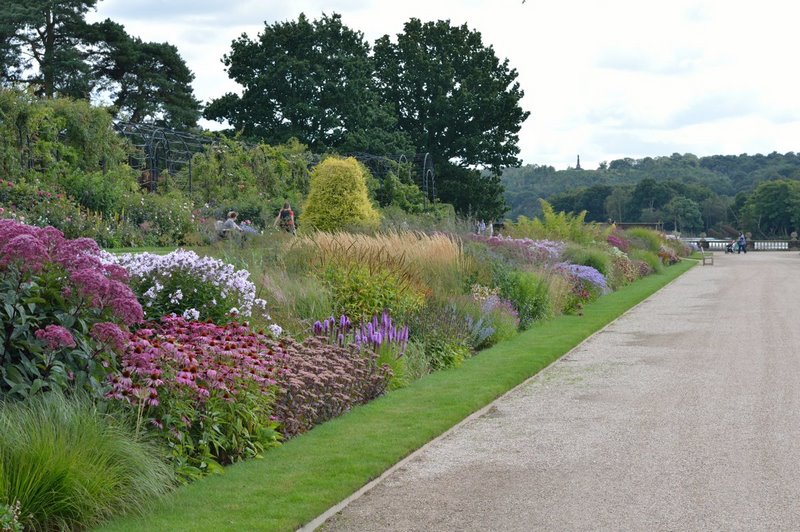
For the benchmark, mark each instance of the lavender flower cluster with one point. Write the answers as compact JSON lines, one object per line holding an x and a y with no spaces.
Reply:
{"x":189,"y":285}
{"x":529,"y":250}
{"x":584,"y":274}
{"x":374,"y":334}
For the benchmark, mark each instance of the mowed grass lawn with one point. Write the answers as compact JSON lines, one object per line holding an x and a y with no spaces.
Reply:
{"x":301,"y":479}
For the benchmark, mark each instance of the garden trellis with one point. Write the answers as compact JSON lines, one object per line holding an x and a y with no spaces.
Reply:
{"x":160,"y":153}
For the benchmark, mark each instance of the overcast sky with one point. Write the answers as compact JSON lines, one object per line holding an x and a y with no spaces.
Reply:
{"x":604,"y":79}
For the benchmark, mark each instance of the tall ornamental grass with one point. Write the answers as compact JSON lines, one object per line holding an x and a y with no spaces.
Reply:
{"x":69,"y":466}
{"x":430,"y":259}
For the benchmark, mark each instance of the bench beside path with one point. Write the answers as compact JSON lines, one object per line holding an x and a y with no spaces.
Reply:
{"x":683,"y":414}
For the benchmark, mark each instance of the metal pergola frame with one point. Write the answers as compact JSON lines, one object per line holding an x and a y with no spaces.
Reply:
{"x":162,"y":150}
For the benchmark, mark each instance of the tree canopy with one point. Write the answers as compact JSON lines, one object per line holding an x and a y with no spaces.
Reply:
{"x":727,"y":192}
{"x":50,"y":47}
{"x":451,"y":93}
{"x":311,"y":80}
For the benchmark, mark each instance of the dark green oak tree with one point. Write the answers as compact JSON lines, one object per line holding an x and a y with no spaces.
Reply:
{"x":457,"y":101}
{"x":309,"y":80}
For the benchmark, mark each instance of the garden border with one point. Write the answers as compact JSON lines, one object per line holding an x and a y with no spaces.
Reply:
{"x":297,"y":483}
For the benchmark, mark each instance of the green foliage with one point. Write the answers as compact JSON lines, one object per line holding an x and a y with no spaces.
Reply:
{"x":773,"y":209}
{"x":50,"y":139}
{"x":146,"y":81}
{"x":529,"y":292}
{"x":643,"y":238}
{"x":102,"y":192}
{"x":469,"y":96}
{"x":9,"y":515}
{"x":405,"y":196}
{"x":556,"y":226}
{"x":338,"y":197}
{"x":51,"y":48}
{"x":650,"y":258}
{"x":443,"y":330}
{"x":472,"y":193}
{"x":69,"y":466}
{"x":162,"y":219}
{"x":684,"y":213}
{"x":46,"y":35}
{"x":594,"y":256}
{"x":360,"y":291}
{"x":229,"y":170}
{"x":311,"y":80}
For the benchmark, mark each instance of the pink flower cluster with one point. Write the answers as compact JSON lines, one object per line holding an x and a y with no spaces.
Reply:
{"x":55,"y":337}
{"x":33,"y":249}
{"x":619,"y":242}
{"x":192,"y":359}
{"x":312,"y":381}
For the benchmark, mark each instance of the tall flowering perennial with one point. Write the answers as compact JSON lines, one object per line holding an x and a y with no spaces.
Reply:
{"x":524,"y":249}
{"x":375,"y":334}
{"x":207,"y":390}
{"x":63,"y":311}
{"x":217,"y":393}
{"x":198,"y":288}
{"x":587,"y":277}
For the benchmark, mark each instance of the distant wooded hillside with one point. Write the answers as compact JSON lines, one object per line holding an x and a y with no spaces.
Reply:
{"x":685,"y":191}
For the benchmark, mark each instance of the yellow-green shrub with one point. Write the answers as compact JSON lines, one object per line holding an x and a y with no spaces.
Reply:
{"x":338,"y":197}
{"x":361,"y":292}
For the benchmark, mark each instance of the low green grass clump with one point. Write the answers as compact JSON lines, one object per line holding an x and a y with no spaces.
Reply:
{"x":301,"y":479}
{"x":69,"y":466}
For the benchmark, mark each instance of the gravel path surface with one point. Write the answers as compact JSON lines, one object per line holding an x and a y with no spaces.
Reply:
{"x":684,"y":414}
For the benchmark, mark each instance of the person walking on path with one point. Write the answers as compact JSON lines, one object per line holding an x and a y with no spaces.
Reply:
{"x":742,"y":243}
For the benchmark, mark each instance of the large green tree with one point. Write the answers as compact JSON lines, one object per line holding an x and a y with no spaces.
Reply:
{"x":41,"y":45}
{"x":774,"y":208}
{"x":146,"y":81}
{"x":311,"y":80}
{"x":456,"y":100}
{"x":49,"y":46}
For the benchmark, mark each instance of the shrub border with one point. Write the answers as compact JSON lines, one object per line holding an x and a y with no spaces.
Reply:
{"x":310,"y":474}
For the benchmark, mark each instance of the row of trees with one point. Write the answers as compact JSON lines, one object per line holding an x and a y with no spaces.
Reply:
{"x":435,"y":88}
{"x":717,"y":195}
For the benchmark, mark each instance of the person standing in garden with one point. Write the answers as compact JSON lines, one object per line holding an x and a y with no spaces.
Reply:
{"x":742,"y":243}
{"x":286,"y":218}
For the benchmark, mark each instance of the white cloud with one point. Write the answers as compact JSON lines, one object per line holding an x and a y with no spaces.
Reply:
{"x":619,"y":78}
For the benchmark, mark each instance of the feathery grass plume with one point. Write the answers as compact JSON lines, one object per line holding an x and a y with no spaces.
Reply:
{"x":426,"y":255}
{"x":412,"y":264}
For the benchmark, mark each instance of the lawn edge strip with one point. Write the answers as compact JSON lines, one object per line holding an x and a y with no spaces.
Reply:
{"x":308,"y":475}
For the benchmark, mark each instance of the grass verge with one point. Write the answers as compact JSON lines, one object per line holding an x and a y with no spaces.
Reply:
{"x":301,"y":479}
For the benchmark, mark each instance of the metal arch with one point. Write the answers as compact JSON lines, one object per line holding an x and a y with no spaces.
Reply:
{"x":160,"y":149}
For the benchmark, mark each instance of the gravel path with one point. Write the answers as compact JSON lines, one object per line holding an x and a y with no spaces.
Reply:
{"x":684,"y":414}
